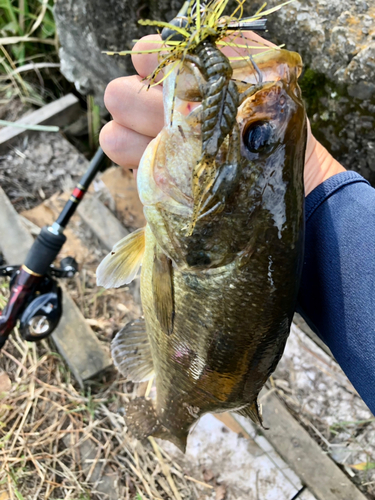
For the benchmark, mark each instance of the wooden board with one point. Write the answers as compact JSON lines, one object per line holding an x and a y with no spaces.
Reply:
{"x":301,"y":323}
{"x":59,"y":112}
{"x":101,"y":221}
{"x":122,"y":187}
{"x":15,"y":240}
{"x":78,"y":344}
{"x":316,"y":470}
{"x":239,"y":459}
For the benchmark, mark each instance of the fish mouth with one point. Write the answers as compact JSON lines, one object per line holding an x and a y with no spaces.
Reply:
{"x":273,"y":65}
{"x":166,"y":169}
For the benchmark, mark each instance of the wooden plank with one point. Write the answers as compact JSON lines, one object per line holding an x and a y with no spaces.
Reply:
{"x":301,"y":323}
{"x":78,"y":344}
{"x":60,"y":112}
{"x":15,"y":239}
{"x":317,"y":471}
{"x":244,"y":466}
{"x":101,"y":221}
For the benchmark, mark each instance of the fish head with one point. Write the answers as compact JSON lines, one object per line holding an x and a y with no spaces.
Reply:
{"x":258,"y":168}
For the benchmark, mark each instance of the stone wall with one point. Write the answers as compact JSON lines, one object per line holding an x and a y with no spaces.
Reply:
{"x":86,"y":28}
{"x":336,"y":39}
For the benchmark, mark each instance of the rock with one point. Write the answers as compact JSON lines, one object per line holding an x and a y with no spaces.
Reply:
{"x":336,"y":39}
{"x":86,"y":28}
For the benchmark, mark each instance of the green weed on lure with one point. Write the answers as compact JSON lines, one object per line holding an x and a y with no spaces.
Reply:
{"x":194,"y":37}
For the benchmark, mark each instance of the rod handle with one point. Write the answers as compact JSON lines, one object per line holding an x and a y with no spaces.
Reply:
{"x":44,"y":251}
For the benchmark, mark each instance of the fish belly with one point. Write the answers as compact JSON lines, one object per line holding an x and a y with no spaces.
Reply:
{"x":229,"y":331}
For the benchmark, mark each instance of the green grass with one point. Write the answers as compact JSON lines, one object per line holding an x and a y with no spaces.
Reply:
{"x":27,"y":35}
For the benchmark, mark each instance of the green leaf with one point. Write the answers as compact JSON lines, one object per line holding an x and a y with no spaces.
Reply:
{"x":26,"y":126}
{"x":363,"y":466}
{"x":18,"y":494}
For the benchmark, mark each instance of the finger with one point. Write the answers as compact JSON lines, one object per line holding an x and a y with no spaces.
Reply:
{"x":134,"y":107}
{"x":122,"y":145}
{"x":146,"y":63}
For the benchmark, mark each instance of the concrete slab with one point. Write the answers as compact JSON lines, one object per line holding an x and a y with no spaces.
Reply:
{"x":246,"y":468}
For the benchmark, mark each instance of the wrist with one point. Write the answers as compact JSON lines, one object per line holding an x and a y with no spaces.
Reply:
{"x":319,"y":165}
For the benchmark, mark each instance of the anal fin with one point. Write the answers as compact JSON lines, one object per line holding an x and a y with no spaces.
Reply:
{"x":141,"y":418}
{"x":254,"y":412}
{"x":131,"y":352}
{"x":121,"y":265}
{"x":142,"y":421}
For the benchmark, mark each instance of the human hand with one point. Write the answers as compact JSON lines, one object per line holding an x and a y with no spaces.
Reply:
{"x":138,"y":118}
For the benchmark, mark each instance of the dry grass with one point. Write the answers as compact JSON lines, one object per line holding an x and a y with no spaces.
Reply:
{"x":58,"y":442}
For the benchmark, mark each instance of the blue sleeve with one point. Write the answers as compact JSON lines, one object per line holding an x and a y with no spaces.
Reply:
{"x":337,"y":293}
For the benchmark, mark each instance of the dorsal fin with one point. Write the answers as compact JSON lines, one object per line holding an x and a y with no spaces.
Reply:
{"x":162,"y":289}
{"x":254,"y":412}
{"x":121,"y":265}
{"x":131,"y":352}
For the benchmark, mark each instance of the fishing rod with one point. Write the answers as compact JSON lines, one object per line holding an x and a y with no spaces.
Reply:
{"x":35,"y":295}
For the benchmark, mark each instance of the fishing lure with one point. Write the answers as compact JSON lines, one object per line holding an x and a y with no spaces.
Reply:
{"x":194,"y":38}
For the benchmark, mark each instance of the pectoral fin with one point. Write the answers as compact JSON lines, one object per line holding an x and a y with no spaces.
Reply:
{"x":121,"y":265}
{"x":253,"y":411}
{"x":162,"y":289}
{"x":131,"y":352}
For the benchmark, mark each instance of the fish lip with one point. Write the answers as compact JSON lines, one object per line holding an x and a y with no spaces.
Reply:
{"x":279,"y":64}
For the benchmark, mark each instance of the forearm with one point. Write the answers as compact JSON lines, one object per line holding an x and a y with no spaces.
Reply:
{"x":337,"y":293}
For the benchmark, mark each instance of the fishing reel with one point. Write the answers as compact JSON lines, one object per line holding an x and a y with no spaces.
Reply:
{"x":42,"y":302}
{"x":35,"y":296}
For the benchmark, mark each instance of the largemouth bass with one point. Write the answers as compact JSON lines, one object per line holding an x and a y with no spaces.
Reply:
{"x":218,"y":301}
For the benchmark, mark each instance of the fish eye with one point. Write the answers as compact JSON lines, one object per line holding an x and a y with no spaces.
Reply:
{"x":257,"y":136}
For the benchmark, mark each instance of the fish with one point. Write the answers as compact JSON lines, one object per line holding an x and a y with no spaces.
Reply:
{"x":218,"y":296}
